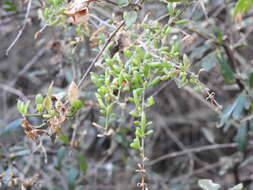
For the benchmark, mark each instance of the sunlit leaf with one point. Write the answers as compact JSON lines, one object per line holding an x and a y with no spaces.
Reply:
{"x":76,"y":105}
{"x":150,"y":101}
{"x":136,"y":143}
{"x":20,"y":106}
{"x":150,"y":132}
{"x":237,"y":187}
{"x":39,"y":99}
{"x":208,"y":184}
{"x":26,"y":106}
{"x":242,"y":6}
{"x":183,"y":21}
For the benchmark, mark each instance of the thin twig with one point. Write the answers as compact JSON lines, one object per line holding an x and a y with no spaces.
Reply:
{"x":20,"y":32}
{"x":34,"y":60}
{"x":197,"y":171}
{"x":102,"y":21}
{"x":111,"y":2}
{"x":193,"y":150}
{"x":13,"y":91}
{"x":161,"y":88}
{"x":172,"y":136}
{"x":100,"y":53}
{"x":8,"y":15}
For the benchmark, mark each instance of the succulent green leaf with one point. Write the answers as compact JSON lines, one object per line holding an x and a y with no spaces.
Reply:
{"x":39,"y":107}
{"x":20,"y":106}
{"x":26,"y":106}
{"x":136,"y":143}
{"x":150,"y":101}
{"x":183,"y":21}
{"x":150,"y":132}
{"x":77,"y":104}
{"x":38,"y":99}
{"x":242,"y":6}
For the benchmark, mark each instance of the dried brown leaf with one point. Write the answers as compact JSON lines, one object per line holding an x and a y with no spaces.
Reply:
{"x":30,"y":131}
{"x":73,"y":92}
{"x":49,"y":91}
{"x":47,"y":103}
{"x":36,"y":35}
{"x":79,"y":10}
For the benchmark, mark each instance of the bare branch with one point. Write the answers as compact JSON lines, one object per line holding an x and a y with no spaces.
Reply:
{"x":193,"y":150}
{"x":20,"y":32}
{"x":100,"y":53}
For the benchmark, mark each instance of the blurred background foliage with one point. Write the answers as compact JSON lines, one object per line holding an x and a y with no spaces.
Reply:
{"x":192,"y":138}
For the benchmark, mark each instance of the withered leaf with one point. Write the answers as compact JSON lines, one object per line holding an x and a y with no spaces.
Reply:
{"x":73,"y":92}
{"x":55,"y":122}
{"x":30,"y":131}
{"x":49,"y":91}
{"x":78,"y":10}
{"x":47,"y":103}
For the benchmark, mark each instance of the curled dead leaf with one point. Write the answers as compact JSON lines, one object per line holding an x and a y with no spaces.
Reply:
{"x":55,"y":122}
{"x":30,"y":131}
{"x":79,"y":10}
{"x":73,"y":92}
{"x":36,"y":35}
